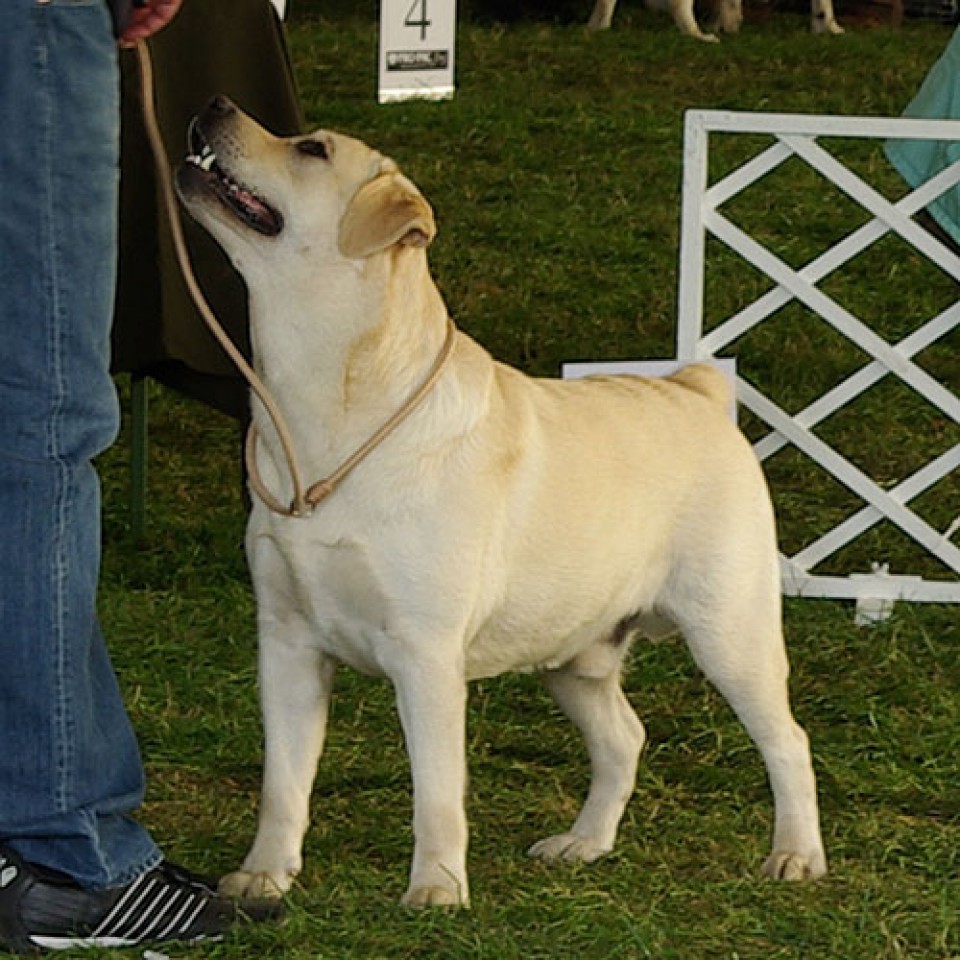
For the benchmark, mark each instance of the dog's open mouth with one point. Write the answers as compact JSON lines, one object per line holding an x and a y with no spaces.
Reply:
{"x":253,"y":210}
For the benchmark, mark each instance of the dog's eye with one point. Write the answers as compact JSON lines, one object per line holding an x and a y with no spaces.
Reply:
{"x":313,"y":148}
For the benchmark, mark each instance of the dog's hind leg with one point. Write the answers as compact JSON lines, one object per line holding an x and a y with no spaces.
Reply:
{"x":683,"y":16}
{"x":602,"y":15}
{"x":725,"y":16}
{"x":614,"y":737}
{"x":296,"y":686}
{"x":738,"y":643}
{"x":822,"y":18}
{"x":730,"y":16}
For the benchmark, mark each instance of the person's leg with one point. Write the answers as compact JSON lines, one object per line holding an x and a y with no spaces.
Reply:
{"x":70,"y":770}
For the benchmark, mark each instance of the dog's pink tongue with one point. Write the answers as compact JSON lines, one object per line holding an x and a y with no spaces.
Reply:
{"x":254,"y":204}
{"x":253,"y":209}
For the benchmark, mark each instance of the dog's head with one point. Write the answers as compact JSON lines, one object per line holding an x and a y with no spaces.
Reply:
{"x":324,"y":192}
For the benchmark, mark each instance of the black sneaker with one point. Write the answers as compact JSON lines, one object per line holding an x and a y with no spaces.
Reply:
{"x":41,"y":909}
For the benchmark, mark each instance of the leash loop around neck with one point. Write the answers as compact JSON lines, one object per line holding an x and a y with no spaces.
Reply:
{"x":322,"y":489}
{"x":303,"y":501}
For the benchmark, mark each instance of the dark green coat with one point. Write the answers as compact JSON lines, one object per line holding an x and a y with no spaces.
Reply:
{"x":234,"y":47}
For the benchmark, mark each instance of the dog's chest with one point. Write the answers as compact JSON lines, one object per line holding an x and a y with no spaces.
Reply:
{"x":335,"y":589}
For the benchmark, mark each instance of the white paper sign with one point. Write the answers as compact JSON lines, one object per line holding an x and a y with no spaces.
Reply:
{"x":417,"y":45}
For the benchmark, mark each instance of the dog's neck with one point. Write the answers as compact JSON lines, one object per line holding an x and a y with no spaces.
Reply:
{"x":341,"y":350}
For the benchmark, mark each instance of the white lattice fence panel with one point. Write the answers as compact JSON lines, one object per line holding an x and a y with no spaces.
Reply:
{"x":796,"y":136}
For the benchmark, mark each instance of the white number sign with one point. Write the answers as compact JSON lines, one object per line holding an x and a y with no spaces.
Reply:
{"x":417,"y":43}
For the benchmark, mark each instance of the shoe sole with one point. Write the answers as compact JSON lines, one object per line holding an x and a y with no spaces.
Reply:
{"x":106,"y":943}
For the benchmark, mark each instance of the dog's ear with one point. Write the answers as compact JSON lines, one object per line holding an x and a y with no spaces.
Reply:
{"x":387,"y":210}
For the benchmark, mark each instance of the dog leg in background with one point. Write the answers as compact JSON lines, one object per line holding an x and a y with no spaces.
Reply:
{"x":683,"y":17}
{"x":602,"y":15}
{"x":729,"y":16}
{"x":614,"y":737}
{"x":822,"y":18}
{"x":432,"y":702}
{"x":680,"y":10}
{"x":296,"y":687}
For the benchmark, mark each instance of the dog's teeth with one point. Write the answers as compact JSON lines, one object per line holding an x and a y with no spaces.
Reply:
{"x":205,"y":159}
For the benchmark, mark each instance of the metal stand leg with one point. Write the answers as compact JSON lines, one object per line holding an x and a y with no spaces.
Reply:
{"x":138,"y":454}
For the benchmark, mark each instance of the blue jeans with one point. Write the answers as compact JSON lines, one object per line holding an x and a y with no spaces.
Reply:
{"x":70,"y":769}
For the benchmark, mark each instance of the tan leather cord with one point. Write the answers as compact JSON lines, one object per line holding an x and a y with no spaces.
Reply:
{"x":303,"y":501}
{"x":323,"y":488}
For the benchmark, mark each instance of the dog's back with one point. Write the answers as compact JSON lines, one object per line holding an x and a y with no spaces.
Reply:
{"x":707,"y":380}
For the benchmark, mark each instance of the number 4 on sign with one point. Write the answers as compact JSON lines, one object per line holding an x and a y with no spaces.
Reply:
{"x":417,"y":49}
{"x":417,"y":16}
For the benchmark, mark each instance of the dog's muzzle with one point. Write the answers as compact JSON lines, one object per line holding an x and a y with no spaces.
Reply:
{"x":202,"y":172}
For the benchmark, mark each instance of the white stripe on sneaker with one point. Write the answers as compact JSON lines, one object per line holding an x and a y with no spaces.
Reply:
{"x":127,"y":912}
{"x":125,"y":925}
{"x":190,"y":907}
{"x":193,"y":916}
{"x":120,"y":905}
{"x":154,"y":913}
{"x":143,"y":908}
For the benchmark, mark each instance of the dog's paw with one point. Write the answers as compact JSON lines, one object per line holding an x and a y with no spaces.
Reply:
{"x":569,"y":848}
{"x":823,"y":25}
{"x":423,"y":897}
{"x":255,"y":886}
{"x":786,"y":865}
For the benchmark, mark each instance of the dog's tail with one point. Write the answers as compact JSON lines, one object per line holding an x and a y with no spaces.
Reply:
{"x":707,"y":380}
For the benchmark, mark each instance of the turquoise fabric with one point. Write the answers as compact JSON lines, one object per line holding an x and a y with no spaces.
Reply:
{"x":918,"y":160}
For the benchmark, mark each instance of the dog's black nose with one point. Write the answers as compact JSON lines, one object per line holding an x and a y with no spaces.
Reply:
{"x":221,"y":106}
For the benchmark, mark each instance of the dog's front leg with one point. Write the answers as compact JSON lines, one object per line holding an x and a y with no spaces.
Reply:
{"x":683,"y":15}
{"x":431,"y":700}
{"x":602,"y":15}
{"x":822,"y":18}
{"x":296,"y":682}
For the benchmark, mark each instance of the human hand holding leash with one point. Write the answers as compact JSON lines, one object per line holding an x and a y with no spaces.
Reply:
{"x":146,"y":19}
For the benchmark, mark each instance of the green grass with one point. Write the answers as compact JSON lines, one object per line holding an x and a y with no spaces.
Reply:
{"x":555,"y":176}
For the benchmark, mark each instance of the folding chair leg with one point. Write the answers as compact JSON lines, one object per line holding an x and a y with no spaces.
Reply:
{"x":138,"y":454}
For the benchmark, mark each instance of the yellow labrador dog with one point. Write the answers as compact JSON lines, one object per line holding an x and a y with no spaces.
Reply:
{"x":508,"y":523}
{"x":727,"y":15}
